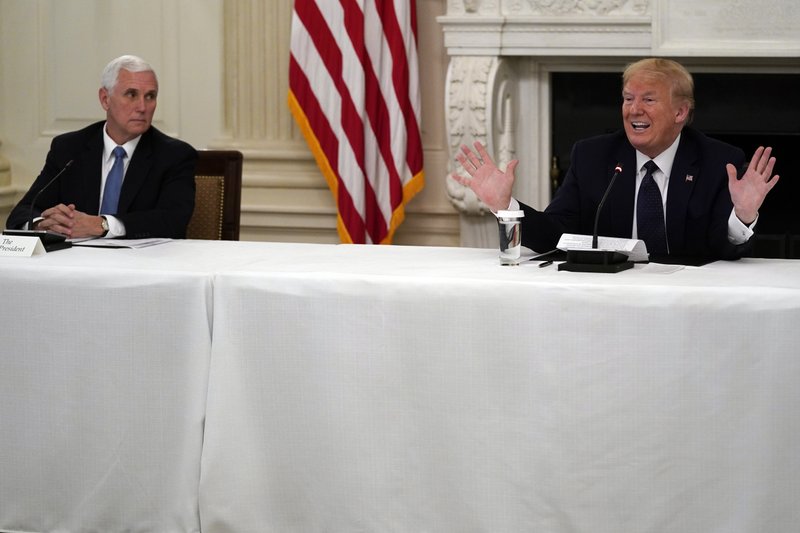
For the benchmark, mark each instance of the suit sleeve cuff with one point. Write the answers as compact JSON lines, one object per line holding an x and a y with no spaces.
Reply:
{"x":30,"y":225}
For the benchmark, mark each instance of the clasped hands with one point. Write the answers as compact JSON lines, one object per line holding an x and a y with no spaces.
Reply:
{"x":67,"y":220}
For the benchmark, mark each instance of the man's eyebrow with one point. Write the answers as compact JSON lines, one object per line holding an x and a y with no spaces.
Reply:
{"x":646,"y":93}
{"x":136,"y":90}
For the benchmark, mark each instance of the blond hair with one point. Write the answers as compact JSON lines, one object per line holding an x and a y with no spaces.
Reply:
{"x":671,"y":71}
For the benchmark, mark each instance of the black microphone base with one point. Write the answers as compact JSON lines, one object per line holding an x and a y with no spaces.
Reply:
{"x":51,"y":241}
{"x":606,"y":261}
{"x":53,"y":246}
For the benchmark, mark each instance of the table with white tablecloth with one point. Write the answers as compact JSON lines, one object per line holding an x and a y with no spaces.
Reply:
{"x":104,"y":361}
{"x":235,"y":386}
{"x":421,"y":389}
{"x":103,"y":376}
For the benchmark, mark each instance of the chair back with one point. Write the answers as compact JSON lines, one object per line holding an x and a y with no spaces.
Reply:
{"x":218,"y":196}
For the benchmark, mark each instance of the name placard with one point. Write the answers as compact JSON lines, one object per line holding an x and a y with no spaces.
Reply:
{"x":19,"y":246}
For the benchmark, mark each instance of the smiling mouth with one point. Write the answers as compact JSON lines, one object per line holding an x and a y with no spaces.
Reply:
{"x":639,"y":126}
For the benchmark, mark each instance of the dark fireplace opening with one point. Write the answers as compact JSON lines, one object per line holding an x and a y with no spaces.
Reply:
{"x":746,"y":110}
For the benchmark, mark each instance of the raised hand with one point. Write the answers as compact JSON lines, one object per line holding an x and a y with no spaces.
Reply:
{"x":749,"y":192}
{"x":491,"y":185}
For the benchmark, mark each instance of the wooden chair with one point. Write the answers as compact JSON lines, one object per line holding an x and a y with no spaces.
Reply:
{"x":218,"y":199}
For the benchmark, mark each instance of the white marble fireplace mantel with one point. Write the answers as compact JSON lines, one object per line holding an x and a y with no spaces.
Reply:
{"x":503,"y":51}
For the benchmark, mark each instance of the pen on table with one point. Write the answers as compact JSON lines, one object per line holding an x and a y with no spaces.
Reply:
{"x":541,"y":256}
{"x":545,"y":263}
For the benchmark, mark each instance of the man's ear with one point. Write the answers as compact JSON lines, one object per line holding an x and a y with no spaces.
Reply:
{"x":102,"y":94}
{"x":682,"y":114}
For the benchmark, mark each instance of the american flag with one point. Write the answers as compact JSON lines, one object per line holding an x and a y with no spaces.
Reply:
{"x":354,"y":93}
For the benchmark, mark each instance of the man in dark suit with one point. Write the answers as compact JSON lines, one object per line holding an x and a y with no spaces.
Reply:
{"x":144,"y":189}
{"x":691,"y":201}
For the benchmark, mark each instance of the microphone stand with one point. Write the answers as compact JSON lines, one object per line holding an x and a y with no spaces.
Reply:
{"x":51,"y":240}
{"x":594,"y":260}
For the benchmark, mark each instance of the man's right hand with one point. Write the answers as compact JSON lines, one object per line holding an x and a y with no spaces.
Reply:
{"x":59,"y":219}
{"x":67,"y":220}
{"x":489,"y":183}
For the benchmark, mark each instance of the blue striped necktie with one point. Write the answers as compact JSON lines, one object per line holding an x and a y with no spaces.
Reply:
{"x":650,"y":213}
{"x":114,"y":183}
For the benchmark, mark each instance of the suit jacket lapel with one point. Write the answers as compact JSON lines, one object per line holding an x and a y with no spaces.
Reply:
{"x":137,"y":171}
{"x":682,"y":180}
{"x":91,"y":170}
{"x":620,"y":200}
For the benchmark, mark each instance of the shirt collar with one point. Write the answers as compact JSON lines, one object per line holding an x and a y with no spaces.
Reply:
{"x":664,"y":160}
{"x":109,"y":145}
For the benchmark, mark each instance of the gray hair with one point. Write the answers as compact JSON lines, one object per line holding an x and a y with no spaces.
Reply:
{"x":130,"y":63}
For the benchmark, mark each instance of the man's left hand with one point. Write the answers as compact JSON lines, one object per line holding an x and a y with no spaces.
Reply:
{"x":749,"y":192}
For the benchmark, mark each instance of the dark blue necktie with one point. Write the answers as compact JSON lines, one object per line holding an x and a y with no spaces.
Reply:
{"x":650,"y":213}
{"x":113,"y":183}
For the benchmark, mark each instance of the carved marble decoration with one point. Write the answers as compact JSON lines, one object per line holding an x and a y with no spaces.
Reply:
{"x":579,"y":7}
{"x":479,"y":103}
{"x":465,"y":102}
{"x":641,"y":7}
{"x":472,"y":6}
{"x":503,"y":123}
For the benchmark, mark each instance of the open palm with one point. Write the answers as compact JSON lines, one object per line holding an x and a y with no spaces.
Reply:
{"x":491,"y":185}
{"x":749,"y":192}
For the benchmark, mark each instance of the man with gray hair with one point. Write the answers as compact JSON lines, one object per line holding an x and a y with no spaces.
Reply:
{"x":121,"y":177}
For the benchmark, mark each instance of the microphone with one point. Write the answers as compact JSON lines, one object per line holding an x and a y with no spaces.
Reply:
{"x":48,"y":184}
{"x":595,"y":260}
{"x":617,"y":172}
{"x":50,"y":239}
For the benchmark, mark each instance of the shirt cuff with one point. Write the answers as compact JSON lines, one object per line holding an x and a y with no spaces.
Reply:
{"x":115,"y":227}
{"x":513,"y":205}
{"x":738,"y":232}
{"x":31,"y":224}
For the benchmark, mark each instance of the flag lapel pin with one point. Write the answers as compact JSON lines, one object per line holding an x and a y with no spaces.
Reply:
{"x":689,"y":178}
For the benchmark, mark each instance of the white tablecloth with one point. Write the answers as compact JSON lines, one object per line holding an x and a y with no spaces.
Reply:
{"x":104,"y":360}
{"x":411,"y":389}
{"x":103,"y":377}
{"x":294,"y":388}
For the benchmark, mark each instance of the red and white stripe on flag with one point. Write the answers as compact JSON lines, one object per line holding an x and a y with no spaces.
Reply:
{"x":354,"y":92}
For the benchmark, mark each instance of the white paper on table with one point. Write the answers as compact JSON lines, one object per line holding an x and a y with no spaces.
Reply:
{"x":635,"y":249}
{"x":119,"y":243}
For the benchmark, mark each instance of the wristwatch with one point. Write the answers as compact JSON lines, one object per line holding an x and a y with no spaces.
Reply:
{"x":104,"y":225}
